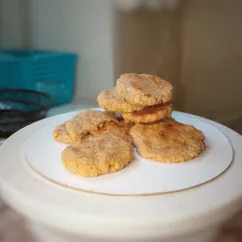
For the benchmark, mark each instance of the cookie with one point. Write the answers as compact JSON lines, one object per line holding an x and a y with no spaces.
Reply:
{"x":126,"y":125}
{"x":60,"y":134}
{"x":150,"y":114}
{"x":110,"y":100}
{"x":167,"y":141}
{"x":98,"y":155}
{"x":116,"y":128}
{"x":85,"y":122}
{"x":143,"y":89}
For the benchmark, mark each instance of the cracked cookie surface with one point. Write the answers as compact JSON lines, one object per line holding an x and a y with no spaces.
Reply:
{"x":85,"y":122}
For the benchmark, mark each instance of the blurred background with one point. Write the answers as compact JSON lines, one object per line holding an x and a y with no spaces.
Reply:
{"x":195,"y":44}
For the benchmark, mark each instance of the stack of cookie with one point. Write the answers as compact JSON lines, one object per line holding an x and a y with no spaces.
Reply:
{"x":140,"y":98}
{"x":144,"y":101}
{"x":100,"y":142}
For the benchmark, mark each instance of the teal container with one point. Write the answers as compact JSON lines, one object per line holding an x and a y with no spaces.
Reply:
{"x":45,"y":71}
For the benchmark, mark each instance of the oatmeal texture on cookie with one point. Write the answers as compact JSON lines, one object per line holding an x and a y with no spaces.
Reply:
{"x":98,"y":155}
{"x":144,"y":89}
{"x":87,"y":121}
{"x":167,"y":141}
{"x":60,"y":134}
{"x":150,"y":114}
{"x":111,"y":101}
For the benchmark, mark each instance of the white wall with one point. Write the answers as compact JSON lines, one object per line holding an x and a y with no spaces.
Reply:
{"x":13,"y":23}
{"x":81,"y":26}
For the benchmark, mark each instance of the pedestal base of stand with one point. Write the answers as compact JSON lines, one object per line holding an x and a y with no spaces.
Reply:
{"x":43,"y":234}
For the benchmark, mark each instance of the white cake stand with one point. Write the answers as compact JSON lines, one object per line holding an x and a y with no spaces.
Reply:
{"x":63,"y":207}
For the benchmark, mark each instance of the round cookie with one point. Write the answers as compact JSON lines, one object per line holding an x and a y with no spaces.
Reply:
{"x":110,"y":100}
{"x":167,"y":141}
{"x":87,"y":121}
{"x":143,"y":89}
{"x":98,"y":155}
{"x":150,"y":114}
{"x":60,"y":134}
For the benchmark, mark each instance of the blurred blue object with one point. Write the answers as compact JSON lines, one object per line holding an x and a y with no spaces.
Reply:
{"x":44,"y":71}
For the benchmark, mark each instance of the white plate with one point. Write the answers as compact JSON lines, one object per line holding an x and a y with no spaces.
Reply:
{"x":140,"y":177}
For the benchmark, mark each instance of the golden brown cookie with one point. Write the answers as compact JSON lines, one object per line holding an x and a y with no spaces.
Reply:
{"x":116,"y":128}
{"x":110,"y":100}
{"x":150,"y":114}
{"x":167,"y":141}
{"x":143,"y":89}
{"x":98,"y":155}
{"x":87,"y":121}
{"x":126,"y":125}
{"x":60,"y":134}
